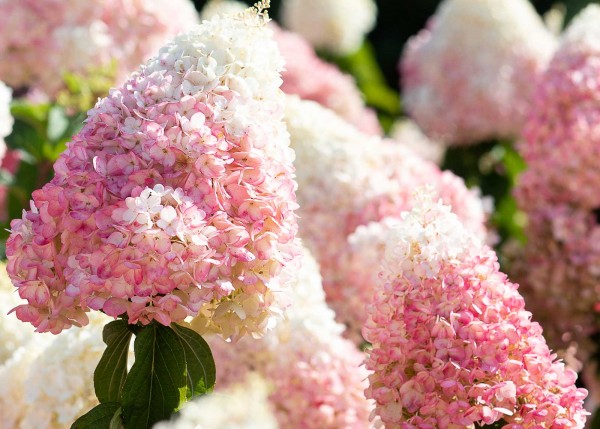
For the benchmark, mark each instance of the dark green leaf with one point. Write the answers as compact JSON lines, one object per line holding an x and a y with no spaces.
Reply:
{"x":164,"y":375}
{"x":99,"y":417}
{"x":111,"y":371}
{"x":201,"y":372}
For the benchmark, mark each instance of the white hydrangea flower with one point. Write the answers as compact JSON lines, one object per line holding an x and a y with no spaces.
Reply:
{"x":469,"y":75}
{"x":13,"y":332}
{"x":338,"y":26}
{"x":583,"y":33}
{"x":48,"y":382}
{"x":221,"y":7}
{"x":242,"y":406}
{"x":408,"y":134}
{"x":426,"y":237}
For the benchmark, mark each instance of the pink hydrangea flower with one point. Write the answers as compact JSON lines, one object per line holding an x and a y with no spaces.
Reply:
{"x":560,"y":266}
{"x":317,"y":376}
{"x":452,"y":342}
{"x":347,"y":179}
{"x":176,"y":197}
{"x":41,"y":41}
{"x":462,"y":88}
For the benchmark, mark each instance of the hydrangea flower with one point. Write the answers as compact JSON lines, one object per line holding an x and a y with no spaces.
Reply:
{"x":338,"y":26}
{"x":462,"y":88}
{"x":242,"y":406}
{"x":560,"y":265}
{"x":36,"y":391}
{"x":41,"y":41}
{"x":452,"y":342}
{"x":561,"y":136}
{"x":347,"y":179}
{"x":333,"y":89}
{"x":317,"y":376}
{"x":13,"y":333}
{"x":175,"y":198}
{"x":407,"y":133}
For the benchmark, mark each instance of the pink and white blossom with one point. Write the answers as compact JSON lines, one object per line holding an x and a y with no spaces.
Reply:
{"x":452,"y":342}
{"x":469,"y":75}
{"x":42,"y":41}
{"x":175,"y":199}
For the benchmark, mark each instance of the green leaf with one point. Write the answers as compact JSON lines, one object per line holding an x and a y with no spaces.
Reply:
{"x":164,"y":375}
{"x":30,"y":113}
{"x":201,"y":372}
{"x":111,"y":372}
{"x":58,"y":122}
{"x":99,"y":417}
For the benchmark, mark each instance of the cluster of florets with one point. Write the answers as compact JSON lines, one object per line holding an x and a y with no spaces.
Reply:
{"x":333,"y":89}
{"x":317,"y":376}
{"x":462,"y":88}
{"x":35,"y":389}
{"x":452,"y":342}
{"x":407,"y":133}
{"x":71,"y":36}
{"x":13,"y":333}
{"x":347,"y":179}
{"x":244,"y":405}
{"x":175,"y":197}
{"x":558,"y":191}
{"x":338,"y":26}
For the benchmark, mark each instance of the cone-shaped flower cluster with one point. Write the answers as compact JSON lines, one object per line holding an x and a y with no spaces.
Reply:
{"x":452,"y":342}
{"x":347,"y":179}
{"x":333,"y":89}
{"x":468,"y":76}
{"x":176,"y":196}
{"x":72,"y":36}
{"x":338,"y":26}
{"x":317,"y":376}
{"x":559,"y":190}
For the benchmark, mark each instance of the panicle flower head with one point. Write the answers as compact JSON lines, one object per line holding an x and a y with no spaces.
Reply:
{"x":347,"y":179}
{"x":461,"y":88}
{"x":244,"y":405}
{"x":41,"y":41}
{"x":338,"y":26}
{"x":452,"y":342}
{"x":561,"y":138}
{"x":333,"y":89}
{"x":176,"y":197}
{"x":560,"y":265}
{"x":317,"y":376}
{"x":47,"y":395}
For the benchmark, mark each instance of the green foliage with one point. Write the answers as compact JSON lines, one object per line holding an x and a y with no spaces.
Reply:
{"x":111,"y":372}
{"x":165,"y":374}
{"x":101,"y":416}
{"x":494,"y":167}
{"x":173,"y":364}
